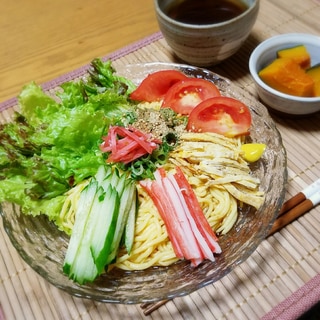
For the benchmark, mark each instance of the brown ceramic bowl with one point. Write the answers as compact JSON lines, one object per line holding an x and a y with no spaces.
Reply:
{"x":206,"y":44}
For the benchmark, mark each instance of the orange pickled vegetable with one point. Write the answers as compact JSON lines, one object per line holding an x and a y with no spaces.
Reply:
{"x":287,"y":76}
{"x":298,"y":53}
{"x":314,"y":73}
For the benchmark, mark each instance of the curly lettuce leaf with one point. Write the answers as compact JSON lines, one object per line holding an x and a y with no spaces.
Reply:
{"x":36,"y":106}
{"x":13,"y":188}
{"x":102,"y":76}
{"x":53,"y":142}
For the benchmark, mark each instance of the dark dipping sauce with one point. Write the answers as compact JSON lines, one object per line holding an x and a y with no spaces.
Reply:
{"x":205,"y":11}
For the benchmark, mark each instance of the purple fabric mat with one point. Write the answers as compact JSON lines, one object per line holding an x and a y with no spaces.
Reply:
{"x":298,"y":303}
{"x":1,"y":314}
{"x":80,"y":71}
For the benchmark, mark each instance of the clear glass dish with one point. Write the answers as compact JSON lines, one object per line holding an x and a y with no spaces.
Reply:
{"x":43,"y":247}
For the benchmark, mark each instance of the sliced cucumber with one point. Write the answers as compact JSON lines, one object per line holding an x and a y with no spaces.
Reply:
{"x":130,"y":224}
{"x":78,"y":264}
{"x":106,"y":211}
{"x":128,"y":196}
{"x":102,"y":172}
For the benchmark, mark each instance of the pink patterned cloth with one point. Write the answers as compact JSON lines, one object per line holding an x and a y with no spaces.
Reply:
{"x":1,"y":314}
{"x":298,"y":303}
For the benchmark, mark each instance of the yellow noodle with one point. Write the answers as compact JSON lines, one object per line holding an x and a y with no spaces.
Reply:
{"x":67,"y":213}
{"x":151,"y":245}
{"x":220,"y":178}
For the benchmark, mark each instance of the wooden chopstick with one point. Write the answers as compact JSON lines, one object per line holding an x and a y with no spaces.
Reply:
{"x":306,"y":193}
{"x":296,"y":206}
{"x":291,"y":215}
{"x":148,"y":308}
{"x":291,"y":210}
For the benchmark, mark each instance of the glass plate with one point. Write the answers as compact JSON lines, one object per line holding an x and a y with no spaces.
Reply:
{"x":43,"y":247}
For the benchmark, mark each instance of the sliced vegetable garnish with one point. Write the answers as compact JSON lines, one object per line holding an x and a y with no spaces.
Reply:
{"x":187,"y":227}
{"x":101,"y":220}
{"x":78,"y":262}
{"x":127,"y":144}
{"x":183,"y":96}
{"x":223,"y":115}
{"x":155,"y":85}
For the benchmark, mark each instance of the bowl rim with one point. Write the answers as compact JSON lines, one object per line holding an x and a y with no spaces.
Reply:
{"x":164,"y":16}
{"x":270,"y":43}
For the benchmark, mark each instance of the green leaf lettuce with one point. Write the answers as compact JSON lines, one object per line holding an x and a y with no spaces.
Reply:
{"x":53,"y":142}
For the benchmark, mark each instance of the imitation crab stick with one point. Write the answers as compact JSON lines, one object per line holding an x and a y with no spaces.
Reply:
{"x":154,"y":189}
{"x":188,"y":230}
{"x":196,"y":211}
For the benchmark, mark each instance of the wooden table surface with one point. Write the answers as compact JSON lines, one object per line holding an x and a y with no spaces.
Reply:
{"x":43,"y":39}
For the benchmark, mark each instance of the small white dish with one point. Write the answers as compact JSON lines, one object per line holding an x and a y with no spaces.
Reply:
{"x":267,"y":52}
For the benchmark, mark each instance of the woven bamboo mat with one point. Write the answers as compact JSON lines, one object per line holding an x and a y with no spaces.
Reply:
{"x":282,"y":277}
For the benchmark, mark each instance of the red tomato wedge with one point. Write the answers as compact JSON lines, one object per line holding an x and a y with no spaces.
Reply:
{"x":156,"y":85}
{"x":223,"y":115}
{"x":183,"y":96}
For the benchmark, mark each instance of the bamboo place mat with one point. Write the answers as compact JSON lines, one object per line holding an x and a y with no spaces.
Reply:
{"x":280,"y":280}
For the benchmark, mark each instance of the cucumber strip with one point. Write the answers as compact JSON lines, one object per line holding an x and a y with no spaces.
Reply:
{"x":83,"y":268}
{"x":105,"y":215}
{"x":114,"y":179}
{"x":127,"y":197}
{"x":101,"y":173}
{"x":73,"y":266}
{"x":120,"y":183}
{"x":105,"y":211}
{"x":130,"y":224}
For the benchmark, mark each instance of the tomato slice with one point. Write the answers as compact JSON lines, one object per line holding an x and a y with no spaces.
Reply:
{"x":183,"y":96}
{"x":156,"y":85}
{"x":223,"y":115}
